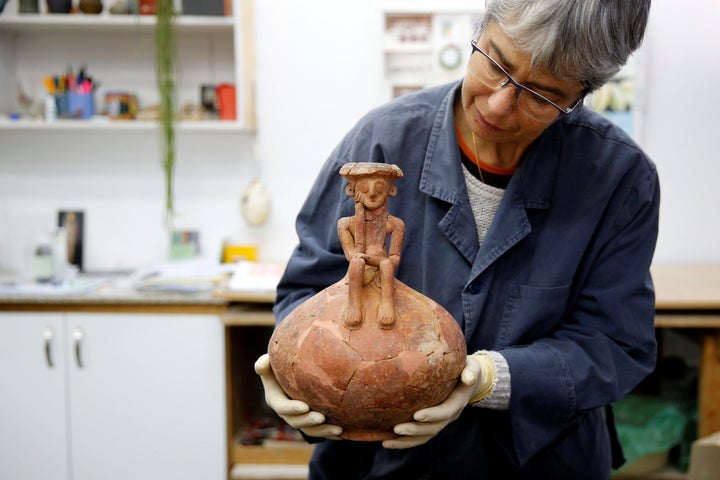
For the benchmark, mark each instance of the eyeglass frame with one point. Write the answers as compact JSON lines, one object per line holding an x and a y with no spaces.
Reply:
{"x":510,"y":80}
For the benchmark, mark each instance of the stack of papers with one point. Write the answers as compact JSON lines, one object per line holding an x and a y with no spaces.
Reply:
{"x":74,"y":287}
{"x":183,"y":276}
{"x":256,"y":277}
{"x":195,"y":276}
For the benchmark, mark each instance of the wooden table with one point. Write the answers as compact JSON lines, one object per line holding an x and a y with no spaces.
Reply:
{"x":688,"y":297}
{"x":248,"y":323}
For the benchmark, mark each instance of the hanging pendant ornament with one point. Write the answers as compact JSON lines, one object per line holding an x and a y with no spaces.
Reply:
{"x":255,"y":203}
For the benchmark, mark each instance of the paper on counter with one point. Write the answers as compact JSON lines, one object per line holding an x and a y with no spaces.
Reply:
{"x":256,"y":277}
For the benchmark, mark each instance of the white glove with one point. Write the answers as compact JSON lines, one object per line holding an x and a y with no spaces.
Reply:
{"x":297,"y":414}
{"x":476,"y":382}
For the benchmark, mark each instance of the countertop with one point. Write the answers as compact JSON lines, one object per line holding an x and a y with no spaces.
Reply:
{"x":124,"y":293}
{"x":678,"y":287}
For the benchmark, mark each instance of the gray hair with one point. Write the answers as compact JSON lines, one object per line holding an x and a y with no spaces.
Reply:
{"x":584,"y":40}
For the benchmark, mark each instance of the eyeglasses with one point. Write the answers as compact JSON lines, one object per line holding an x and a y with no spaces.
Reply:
{"x":488,"y":72}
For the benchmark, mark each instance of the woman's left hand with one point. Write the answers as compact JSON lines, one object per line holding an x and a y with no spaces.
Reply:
{"x":429,"y":421}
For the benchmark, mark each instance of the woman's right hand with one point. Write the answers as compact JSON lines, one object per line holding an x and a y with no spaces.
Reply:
{"x":297,"y":414}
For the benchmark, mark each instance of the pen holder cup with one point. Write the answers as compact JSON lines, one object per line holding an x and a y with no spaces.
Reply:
{"x":61,"y":105}
{"x":81,"y":105}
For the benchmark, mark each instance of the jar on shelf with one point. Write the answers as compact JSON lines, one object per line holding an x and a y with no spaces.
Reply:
{"x":28,"y":6}
{"x":92,"y":7}
{"x":59,"y":6}
{"x":147,"y":7}
{"x":43,"y":261}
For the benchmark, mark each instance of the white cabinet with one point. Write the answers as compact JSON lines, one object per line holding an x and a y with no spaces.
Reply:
{"x":118,"y":52}
{"x":33,"y":420}
{"x":128,"y":396}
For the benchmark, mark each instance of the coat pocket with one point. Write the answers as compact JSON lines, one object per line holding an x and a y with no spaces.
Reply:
{"x":531,"y":312}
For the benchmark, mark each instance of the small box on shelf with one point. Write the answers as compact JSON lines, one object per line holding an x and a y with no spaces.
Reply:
{"x":204,"y":7}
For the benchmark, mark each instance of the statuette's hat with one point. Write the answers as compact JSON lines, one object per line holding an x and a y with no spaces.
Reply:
{"x":353,"y":170}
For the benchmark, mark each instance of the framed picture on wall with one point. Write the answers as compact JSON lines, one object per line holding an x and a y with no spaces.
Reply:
{"x":73,"y":222}
{"x":426,"y":48}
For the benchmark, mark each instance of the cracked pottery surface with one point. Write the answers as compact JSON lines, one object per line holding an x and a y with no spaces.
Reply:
{"x":370,"y":372}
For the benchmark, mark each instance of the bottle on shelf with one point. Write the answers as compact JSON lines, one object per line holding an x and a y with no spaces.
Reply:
{"x":50,"y":108}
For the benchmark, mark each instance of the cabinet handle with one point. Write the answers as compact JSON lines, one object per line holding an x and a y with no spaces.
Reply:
{"x":48,"y":335}
{"x":78,"y":336}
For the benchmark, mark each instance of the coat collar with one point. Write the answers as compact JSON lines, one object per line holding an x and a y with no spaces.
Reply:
{"x":442,"y":176}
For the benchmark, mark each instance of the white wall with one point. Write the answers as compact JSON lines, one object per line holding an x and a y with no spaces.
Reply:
{"x":680,"y":118}
{"x":120,"y":191}
{"x":682,"y":128}
{"x":679,"y":128}
{"x":319,"y":68}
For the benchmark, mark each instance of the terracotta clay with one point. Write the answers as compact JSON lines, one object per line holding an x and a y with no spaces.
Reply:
{"x":368,"y":351}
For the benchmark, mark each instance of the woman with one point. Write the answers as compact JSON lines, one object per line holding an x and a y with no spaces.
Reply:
{"x":533,"y":221}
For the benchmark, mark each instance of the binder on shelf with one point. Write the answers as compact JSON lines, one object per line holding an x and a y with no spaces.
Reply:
{"x":204,"y":7}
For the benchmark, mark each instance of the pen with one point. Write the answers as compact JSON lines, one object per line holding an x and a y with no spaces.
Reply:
{"x":50,"y":85}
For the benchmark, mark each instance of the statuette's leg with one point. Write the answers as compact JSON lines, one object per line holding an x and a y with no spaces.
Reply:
{"x":386,"y":312}
{"x":352,"y":316}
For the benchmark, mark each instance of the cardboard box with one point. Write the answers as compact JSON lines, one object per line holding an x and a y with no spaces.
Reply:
{"x":705,"y":458}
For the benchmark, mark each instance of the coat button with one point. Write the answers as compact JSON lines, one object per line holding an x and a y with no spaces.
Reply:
{"x":474,"y":288}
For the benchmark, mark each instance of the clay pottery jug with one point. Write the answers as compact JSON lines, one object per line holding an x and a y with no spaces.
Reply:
{"x":368,"y":373}
{"x":92,"y":7}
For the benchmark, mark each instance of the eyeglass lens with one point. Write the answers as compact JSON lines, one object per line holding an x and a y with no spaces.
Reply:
{"x":483,"y":69}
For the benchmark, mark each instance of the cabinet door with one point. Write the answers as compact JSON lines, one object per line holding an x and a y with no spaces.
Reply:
{"x":147,"y":396}
{"x":32,"y":401}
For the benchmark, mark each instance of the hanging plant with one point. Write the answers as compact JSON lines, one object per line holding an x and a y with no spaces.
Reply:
{"x":165,"y":64}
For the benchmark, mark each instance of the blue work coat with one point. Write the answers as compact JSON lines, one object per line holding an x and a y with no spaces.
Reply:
{"x":560,"y":286}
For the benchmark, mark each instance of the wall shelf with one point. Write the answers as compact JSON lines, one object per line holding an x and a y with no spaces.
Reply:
{"x":118,"y":51}
{"x":113,"y":125}
{"x":43,"y":23}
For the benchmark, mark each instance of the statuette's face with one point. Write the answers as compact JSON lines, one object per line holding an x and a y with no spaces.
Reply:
{"x":372,"y":191}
